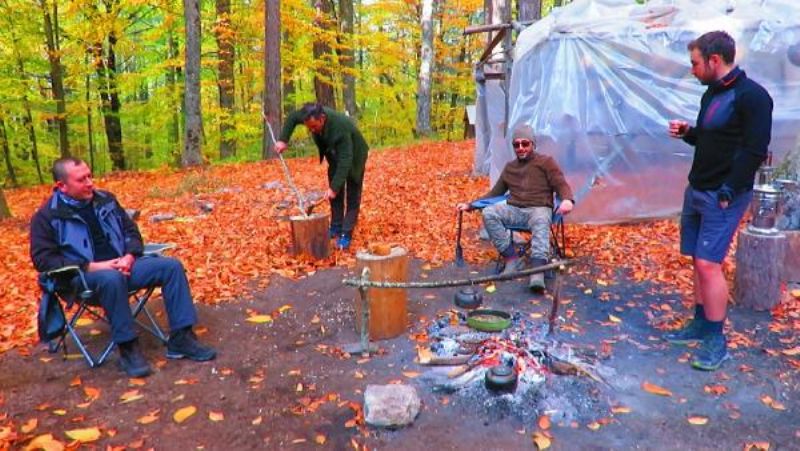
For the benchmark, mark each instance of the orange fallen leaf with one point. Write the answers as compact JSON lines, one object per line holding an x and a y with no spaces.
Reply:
{"x":655,"y":389}
{"x":715,"y":389}
{"x":184,"y":413}
{"x":29,"y":426}
{"x":756,"y":446}
{"x":216,"y":416}
{"x":791,"y":352}
{"x":131,"y":396}
{"x":45,"y":442}
{"x":91,"y":393}
{"x":86,"y":435}
{"x":541,"y":441}
{"x":698,"y":420}
{"x":594,"y":425}
{"x":136,"y":382}
{"x":259,"y":319}
{"x":320,"y":439}
{"x":620,"y":409}
{"x":795,"y":293}
{"x":149,"y":418}
{"x":544,"y":422}
{"x":614,"y":319}
{"x":410,"y":374}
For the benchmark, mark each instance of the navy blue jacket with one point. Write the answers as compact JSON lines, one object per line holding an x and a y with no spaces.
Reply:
{"x":60,"y":237}
{"x":732,"y":134}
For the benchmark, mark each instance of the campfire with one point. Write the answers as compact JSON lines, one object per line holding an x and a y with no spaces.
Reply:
{"x":506,"y":367}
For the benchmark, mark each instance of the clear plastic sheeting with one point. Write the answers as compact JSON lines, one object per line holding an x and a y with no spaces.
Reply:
{"x":598,"y":80}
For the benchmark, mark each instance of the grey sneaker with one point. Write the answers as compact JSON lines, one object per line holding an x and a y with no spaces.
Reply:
{"x":689,"y":333}
{"x":536,"y":283}
{"x":711,"y":353}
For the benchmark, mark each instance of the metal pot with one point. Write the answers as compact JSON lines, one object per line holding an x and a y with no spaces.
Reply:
{"x":765,"y":209}
{"x":765,"y":175}
{"x":468,"y":298}
{"x":501,"y":379}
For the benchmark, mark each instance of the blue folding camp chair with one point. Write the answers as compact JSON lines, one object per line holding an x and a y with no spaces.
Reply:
{"x":57,"y":283}
{"x":558,"y":237}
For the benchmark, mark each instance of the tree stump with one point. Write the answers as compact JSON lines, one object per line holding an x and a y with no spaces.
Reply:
{"x":759,"y":269}
{"x":791,"y":261}
{"x":310,"y":235}
{"x":387,"y":306}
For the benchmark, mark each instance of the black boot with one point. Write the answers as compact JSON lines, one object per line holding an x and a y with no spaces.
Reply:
{"x":131,"y":359}
{"x":183,"y":343}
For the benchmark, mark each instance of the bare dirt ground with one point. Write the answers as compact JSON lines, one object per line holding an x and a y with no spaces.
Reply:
{"x":283,"y":385}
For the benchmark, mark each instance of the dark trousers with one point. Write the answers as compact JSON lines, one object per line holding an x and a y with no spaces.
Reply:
{"x":112,"y":288}
{"x":344,"y":220}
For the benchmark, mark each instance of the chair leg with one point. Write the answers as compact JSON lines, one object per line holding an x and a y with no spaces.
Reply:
{"x":141,"y":306}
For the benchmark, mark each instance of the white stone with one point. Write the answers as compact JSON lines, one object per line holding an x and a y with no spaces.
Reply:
{"x":390,"y":405}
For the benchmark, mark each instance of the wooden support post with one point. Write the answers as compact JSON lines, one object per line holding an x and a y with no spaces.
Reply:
{"x":310,"y":235}
{"x":759,"y":269}
{"x":388,"y":315}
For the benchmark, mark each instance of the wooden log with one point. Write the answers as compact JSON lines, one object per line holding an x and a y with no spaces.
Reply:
{"x":791,"y":261}
{"x":388,"y":314}
{"x":759,"y":269}
{"x":310,"y":235}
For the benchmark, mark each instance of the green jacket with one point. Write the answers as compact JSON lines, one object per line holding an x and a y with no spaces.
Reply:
{"x":340,"y":143}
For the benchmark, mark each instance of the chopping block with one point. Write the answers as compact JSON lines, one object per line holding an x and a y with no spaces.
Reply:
{"x":310,"y":235}
{"x":388,"y":314}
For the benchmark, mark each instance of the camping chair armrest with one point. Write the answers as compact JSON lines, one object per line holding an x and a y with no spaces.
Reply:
{"x":63,"y":271}
{"x":480,"y":204}
{"x":157,"y":249}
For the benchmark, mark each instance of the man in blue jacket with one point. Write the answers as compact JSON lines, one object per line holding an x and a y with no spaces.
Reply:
{"x":730,"y":137}
{"x":79,"y":225}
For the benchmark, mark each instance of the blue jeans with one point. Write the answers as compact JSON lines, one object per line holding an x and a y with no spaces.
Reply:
{"x":112,"y":287}
{"x":706,"y":228}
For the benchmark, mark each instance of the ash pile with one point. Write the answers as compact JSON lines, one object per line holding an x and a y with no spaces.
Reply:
{"x":518,"y":371}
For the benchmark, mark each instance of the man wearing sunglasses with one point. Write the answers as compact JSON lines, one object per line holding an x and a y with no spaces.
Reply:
{"x":530,"y":180}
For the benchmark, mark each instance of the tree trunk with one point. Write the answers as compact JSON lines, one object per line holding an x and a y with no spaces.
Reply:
{"x":529,"y":10}
{"x":225,"y":79}
{"x":323,"y":77}
{"x":272,"y":74}
{"x":423,"y":127}
{"x":27,"y":119}
{"x":7,"y":153}
{"x":173,"y":79}
{"x":346,"y":16}
{"x":56,"y":77}
{"x":5,"y":212}
{"x":89,"y":125}
{"x":106,"y":61}
{"x":193,"y":136}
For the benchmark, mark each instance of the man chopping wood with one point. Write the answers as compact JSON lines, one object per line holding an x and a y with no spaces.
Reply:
{"x":341,"y":144}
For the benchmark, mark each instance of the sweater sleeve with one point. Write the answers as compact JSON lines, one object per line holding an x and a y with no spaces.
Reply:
{"x":691,"y":136}
{"x":45,"y":252}
{"x":500,"y":187}
{"x":557,"y":180}
{"x":344,"y":161}
{"x":292,"y":120}
{"x":756,"y":112}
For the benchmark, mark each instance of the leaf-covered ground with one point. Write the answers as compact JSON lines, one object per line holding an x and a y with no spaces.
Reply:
{"x":233,"y":251}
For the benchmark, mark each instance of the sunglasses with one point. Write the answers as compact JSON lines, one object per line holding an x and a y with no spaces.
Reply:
{"x":521,"y":143}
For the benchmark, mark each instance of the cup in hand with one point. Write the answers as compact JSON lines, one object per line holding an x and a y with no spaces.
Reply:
{"x":678,"y":128}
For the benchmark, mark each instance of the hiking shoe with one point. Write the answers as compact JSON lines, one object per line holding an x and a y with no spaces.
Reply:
{"x":536,"y":283}
{"x":343,"y":242}
{"x":689,"y":333}
{"x":131,"y":360}
{"x":183,"y":344}
{"x":711,"y":353}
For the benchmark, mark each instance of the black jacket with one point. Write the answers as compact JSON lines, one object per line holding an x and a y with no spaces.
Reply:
{"x":59,"y":237}
{"x":732,"y":134}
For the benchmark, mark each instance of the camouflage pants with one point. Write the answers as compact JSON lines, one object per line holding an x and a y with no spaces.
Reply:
{"x":498,"y":217}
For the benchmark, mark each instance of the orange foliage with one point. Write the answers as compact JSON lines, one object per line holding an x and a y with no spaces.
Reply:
{"x":409,"y":199}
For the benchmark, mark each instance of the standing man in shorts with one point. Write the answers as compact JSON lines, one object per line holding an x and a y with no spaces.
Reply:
{"x":731,"y":137}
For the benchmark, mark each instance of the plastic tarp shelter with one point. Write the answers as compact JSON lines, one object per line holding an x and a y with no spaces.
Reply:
{"x":598,"y":80}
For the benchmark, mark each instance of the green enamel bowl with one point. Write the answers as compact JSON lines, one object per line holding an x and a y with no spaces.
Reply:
{"x":488,"y":320}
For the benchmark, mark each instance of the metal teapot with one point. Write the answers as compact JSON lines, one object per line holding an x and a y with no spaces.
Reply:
{"x":501,"y":379}
{"x":468,"y":298}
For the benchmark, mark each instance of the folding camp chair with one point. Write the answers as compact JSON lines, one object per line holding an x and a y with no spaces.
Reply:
{"x":57,"y":283}
{"x":558,"y":237}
